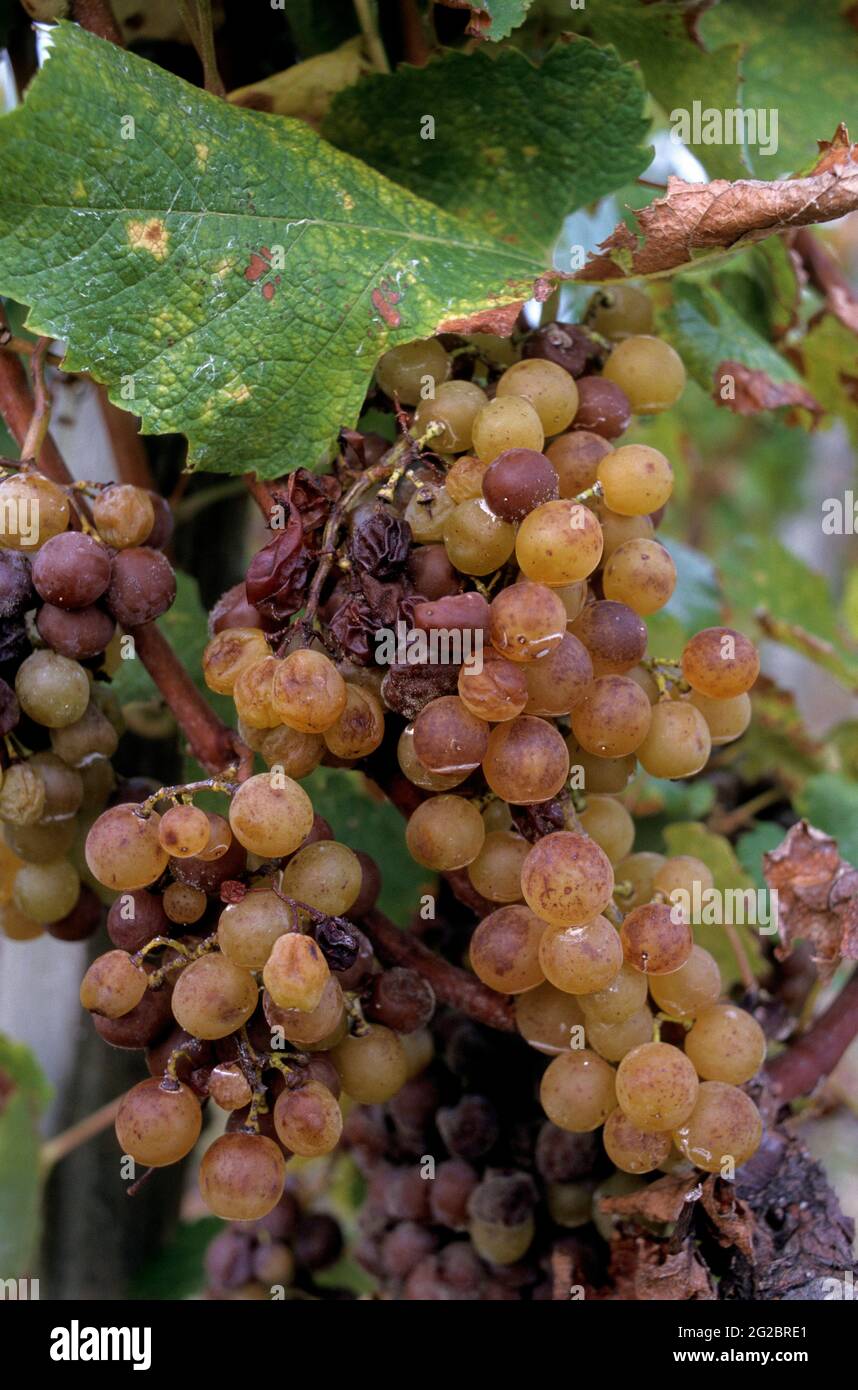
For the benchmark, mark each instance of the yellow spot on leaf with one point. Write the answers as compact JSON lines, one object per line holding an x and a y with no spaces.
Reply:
{"x":151,"y":236}
{"x":202,"y":152}
{"x":348,"y":201}
{"x":530,"y":151}
{"x":223,"y":268}
{"x":239,"y":393}
{"x":494,"y":154}
{"x":79,"y":190}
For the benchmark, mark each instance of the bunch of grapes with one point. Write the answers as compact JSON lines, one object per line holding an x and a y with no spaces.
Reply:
{"x":64,"y":593}
{"x":240,"y":963}
{"x":281,"y":1253}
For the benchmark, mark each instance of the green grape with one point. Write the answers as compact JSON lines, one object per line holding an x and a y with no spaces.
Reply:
{"x":727,"y":719}
{"x":607,"y":821}
{"x":504,"y":950}
{"x":296,"y":972}
{"x":690,"y":989}
{"x":636,"y":480}
{"x":720,"y":663}
{"x":498,"y":1243}
{"x":630,"y":1149}
{"x":242,"y":1176}
{"x":270,"y":816}
{"x":619,"y":311}
{"x":476,"y":540}
{"x":604,"y":776}
{"x":559,"y":543}
{"x":63,"y":787}
{"x":445,"y":832}
{"x":578,"y":1091}
{"x":640,"y":573}
{"x":545,"y":1017}
{"x":456,"y":406}
{"x":637,"y":873}
{"x":653,"y":941}
{"x":683,"y":879}
{"x":724,"y":1128}
{"x":46,"y":892}
{"x":254,"y":696}
{"x":623,"y":997}
{"x":677,"y":743}
{"x":507,"y":422}
{"x":649,"y":371}
{"x":581,"y":959}
{"x":158,"y":1123}
{"x":51,"y":689}
{"x":613,"y":1040}
{"x":549,"y":389}
{"x":113,"y":985}
{"x":39,"y":844}
{"x":213,"y":997}
{"x":428,"y":511}
{"x":656,"y":1087}
{"x":326,"y":875}
{"x":123,"y":849}
{"x":247,"y":930}
{"x":93,"y":735}
{"x":308,"y":1120}
{"x":372,"y":1066}
{"x":413,"y":371}
{"x":567,"y":879}
{"x":726,"y":1044}
{"x":496,"y":870}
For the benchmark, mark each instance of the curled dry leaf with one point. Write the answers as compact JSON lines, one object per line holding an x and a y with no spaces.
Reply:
{"x":732,"y":1218}
{"x":645,"y":1269}
{"x":817,"y":896}
{"x":660,"y":1201}
{"x":755,"y":391}
{"x":693,"y":219}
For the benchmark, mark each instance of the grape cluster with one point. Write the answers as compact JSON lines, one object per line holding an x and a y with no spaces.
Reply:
{"x":281,"y":1253}
{"x":511,"y":519}
{"x":63,"y":595}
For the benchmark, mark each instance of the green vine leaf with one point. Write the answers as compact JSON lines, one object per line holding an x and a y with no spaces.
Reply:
{"x":24,"y":1092}
{"x":572,"y":132}
{"x":493,"y":19}
{"x":228,"y":274}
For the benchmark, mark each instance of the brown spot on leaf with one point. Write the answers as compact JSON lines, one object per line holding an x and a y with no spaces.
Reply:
{"x":7,"y":1090}
{"x":151,"y":236}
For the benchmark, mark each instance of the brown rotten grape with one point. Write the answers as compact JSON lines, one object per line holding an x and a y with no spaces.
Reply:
{"x":504,"y":950}
{"x":494,"y":689}
{"x":309,"y":693}
{"x":158,"y":1123}
{"x":567,"y":879}
{"x":654,"y":942}
{"x":525,"y":760}
{"x":448,"y":738}
{"x":614,"y":636}
{"x":296,"y":972}
{"x":612,"y":718}
{"x":527,"y":621}
{"x":308,"y":1120}
{"x":242,"y":1176}
{"x":517,"y":481}
{"x":720,"y":663}
{"x":558,"y":681}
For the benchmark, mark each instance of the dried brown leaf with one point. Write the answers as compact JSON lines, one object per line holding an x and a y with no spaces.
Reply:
{"x":755,"y":391}
{"x":732,"y":1218}
{"x":645,"y":1269}
{"x":695,"y":218}
{"x":817,"y":895}
{"x":662,"y":1200}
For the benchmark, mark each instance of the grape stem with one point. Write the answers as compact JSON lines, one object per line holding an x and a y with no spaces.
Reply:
{"x":175,"y":794}
{"x":197,"y":19}
{"x":41,"y":418}
{"x":97,"y":17}
{"x":452,"y":986}
{"x":53,"y":1150}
